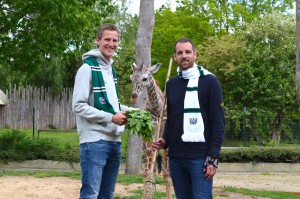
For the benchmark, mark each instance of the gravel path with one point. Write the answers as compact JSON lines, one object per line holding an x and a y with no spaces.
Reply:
{"x":27,"y":187}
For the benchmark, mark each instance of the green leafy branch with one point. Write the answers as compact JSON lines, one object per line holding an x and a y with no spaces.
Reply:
{"x":139,"y":122}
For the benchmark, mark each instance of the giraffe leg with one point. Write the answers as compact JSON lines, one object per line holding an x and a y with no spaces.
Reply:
{"x":147,"y":153}
{"x":166,"y":175}
{"x":149,"y":176}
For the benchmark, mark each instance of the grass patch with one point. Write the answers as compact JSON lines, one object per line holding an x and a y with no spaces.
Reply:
{"x":263,"y":193}
{"x":130,"y":179}
{"x":16,"y":145}
{"x":139,"y":193}
{"x":122,"y":178}
{"x":70,"y":140}
{"x":42,"y":174}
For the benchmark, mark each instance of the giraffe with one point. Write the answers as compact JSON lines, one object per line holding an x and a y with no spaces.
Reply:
{"x":141,"y":78}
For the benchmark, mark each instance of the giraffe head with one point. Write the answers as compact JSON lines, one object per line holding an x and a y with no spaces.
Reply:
{"x":140,"y":78}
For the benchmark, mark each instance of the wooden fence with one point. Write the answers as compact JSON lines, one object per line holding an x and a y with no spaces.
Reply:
{"x":30,"y":106}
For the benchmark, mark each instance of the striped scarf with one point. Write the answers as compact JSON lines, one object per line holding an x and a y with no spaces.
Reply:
{"x":101,"y":101}
{"x":193,"y":126}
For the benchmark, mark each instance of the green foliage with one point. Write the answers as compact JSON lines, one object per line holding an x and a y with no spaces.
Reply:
{"x":208,"y":19}
{"x":137,"y":194}
{"x":140,"y":123}
{"x":221,"y":56}
{"x":42,"y":174}
{"x":39,"y":39}
{"x":68,"y":139}
{"x":125,"y":54}
{"x":228,"y":16}
{"x":256,"y":68}
{"x":171,"y":26}
{"x":17,"y":146}
{"x":264,"y":193}
{"x":269,"y":77}
{"x":256,"y":65}
{"x":41,"y":42}
{"x":261,"y":154}
{"x":124,"y":137}
{"x":130,"y":179}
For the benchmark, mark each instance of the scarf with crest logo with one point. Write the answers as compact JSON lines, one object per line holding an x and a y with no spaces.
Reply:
{"x":101,"y":101}
{"x":193,"y":126}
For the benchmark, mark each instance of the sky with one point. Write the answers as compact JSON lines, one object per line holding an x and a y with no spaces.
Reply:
{"x":134,"y":6}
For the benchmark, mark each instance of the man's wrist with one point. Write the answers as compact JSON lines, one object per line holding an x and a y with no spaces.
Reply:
{"x":165,"y":146}
{"x":212,"y":160}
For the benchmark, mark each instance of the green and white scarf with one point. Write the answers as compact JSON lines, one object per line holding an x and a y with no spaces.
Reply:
{"x":101,"y":101}
{"x":193,"y":126}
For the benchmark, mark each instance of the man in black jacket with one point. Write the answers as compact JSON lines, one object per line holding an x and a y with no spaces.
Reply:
{"x":194,"y":129}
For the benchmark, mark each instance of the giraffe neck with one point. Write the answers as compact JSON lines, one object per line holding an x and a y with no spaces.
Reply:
{"x":154,"y":103}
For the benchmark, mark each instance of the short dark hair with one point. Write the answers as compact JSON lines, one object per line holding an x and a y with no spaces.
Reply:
{"x":110,"y":27}
{"x":184,"y":40}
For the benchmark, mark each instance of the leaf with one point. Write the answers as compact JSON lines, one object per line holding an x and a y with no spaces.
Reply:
{"x":140,"y":123}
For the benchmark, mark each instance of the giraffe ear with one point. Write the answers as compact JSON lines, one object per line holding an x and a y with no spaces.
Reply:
{"x":155,"y":68}
{"x":133,"y":67}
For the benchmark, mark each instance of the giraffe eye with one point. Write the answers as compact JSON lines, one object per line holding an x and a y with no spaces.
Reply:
{"x":144,"y":77}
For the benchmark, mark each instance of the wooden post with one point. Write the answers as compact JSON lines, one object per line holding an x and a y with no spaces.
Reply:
{"x":149,"y":184}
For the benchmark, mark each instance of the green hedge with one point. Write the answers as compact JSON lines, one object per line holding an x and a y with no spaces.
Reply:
{"x":261,"y":154}
{"x":18,"y":146}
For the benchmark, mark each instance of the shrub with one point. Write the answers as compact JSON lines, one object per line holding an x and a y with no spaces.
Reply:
{"x":16,"y":146}
{"x":261,"y":154}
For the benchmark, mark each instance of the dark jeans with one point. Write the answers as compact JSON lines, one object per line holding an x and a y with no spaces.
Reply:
{"x":188,"y":179}
{"x":100,"y":163}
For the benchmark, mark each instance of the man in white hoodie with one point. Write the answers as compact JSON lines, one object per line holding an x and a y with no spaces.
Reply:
{"x":99,"y":117}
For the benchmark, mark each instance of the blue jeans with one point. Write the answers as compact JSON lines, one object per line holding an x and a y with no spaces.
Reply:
{"x":189,"y":180}
{"x":100,"y":163}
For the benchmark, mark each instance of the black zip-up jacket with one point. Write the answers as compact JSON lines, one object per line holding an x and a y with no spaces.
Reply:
{"x":211,"y":106}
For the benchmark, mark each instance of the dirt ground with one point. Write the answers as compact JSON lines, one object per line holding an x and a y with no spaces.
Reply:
{"x":26,"y":187}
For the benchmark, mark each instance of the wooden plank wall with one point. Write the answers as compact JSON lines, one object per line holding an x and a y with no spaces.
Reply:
{"x":49,"y":109}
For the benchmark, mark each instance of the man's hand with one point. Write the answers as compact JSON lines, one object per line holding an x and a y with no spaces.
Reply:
{"x":119,"y":118}
{"x":158,"y":143}
{"x":210,"y":166}
{"x":210,"y":171}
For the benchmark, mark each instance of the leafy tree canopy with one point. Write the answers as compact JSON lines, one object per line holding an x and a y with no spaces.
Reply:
{"x":33,"y":34}
{"x":270,"y":68}
{"x":256,"y":65}
{"x":200,"y":20}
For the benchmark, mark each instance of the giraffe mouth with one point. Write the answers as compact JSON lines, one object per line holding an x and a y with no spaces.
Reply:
{"x":134,"y":98}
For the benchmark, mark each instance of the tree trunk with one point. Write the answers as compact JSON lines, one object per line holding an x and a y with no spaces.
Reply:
{"x":232,"y":125}
{"x":133,"y":155}
{"x":276,"y":127}
{"x":298,"y":51}
{"x":143,"y":55}
{"x":253,"y":130}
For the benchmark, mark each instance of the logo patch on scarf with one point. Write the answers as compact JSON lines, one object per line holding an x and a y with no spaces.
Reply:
{"x":102,"y":100}
{"x":193,"y":121}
